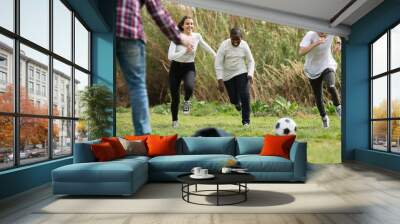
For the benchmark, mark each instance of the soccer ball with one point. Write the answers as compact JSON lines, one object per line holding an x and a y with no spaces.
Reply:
{"x":285,"y":126}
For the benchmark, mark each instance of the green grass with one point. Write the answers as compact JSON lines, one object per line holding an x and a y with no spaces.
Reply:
{"x":323,"y":144}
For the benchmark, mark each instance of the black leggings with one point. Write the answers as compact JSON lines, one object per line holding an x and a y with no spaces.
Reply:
{"x":329,"y":76}
{"x":178,"y":72}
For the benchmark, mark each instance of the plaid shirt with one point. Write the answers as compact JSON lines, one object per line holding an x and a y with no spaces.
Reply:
{"x":129,"y":23}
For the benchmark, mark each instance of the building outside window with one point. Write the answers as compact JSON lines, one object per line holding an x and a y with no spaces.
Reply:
{"x":385,"y":94}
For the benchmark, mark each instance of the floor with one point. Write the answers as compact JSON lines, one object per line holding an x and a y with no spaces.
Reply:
{"x":377,"y":188}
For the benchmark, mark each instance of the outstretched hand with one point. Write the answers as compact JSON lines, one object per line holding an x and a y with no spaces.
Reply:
{"x":187,"y":41}
{"x":321,"y":40}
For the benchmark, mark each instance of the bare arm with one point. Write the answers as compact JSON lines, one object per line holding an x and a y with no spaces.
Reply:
{"x":304,"y":50}
{"x":219,"y":62}
{"x":206,"y":47}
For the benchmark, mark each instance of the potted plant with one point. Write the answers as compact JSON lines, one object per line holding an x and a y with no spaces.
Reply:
{"x":97,"y":102}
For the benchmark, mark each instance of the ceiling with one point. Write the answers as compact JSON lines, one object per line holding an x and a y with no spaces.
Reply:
{"x":331,"y":16}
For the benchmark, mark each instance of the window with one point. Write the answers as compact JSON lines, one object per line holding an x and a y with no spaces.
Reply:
{"x":44,"y":91}
{"x":54,"y":126}
{"x":7,"y":14}
{"x":385,"y":95}
{"x":35,"y":22}
{"x":81,"y":45}
{"x":30,"y":87}
{"x":6,"y":73}
{"x":3,"y":61}
{"x":3,"y":72}
{"x":30,"y":72}
{"x":3,"y":78}
{"x":38,"y":89}
{"x":62,"y":74}
{"x":62,"y":29}
{"x":37,"y":75}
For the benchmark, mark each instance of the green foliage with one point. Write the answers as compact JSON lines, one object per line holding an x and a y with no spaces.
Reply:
{"x":330,"y":109}
{"x":283,"y":107}
{"x":97,"y":103}
{"x":323,"y":144}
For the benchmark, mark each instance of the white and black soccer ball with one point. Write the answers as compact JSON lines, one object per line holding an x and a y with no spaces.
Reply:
{"x":285,"y":126}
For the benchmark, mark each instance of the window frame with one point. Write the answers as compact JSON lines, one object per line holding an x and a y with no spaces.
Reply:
{"x":389,"y":73}
{"x":16,"y":114}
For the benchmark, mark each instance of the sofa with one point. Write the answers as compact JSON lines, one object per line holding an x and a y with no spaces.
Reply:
{"x":126,"y":175}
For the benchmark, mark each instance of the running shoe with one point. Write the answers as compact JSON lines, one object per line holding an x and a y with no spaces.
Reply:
{"x":325,"y":121}
{"x":339,"y":111}
{"x":246,"y":125}
{"x":175,"y":124}
{"x":186,"y":107}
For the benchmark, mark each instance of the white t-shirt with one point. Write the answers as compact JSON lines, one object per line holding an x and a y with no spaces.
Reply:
{"x":320,"y":57}
{"x":179,"y":53}
{"x":231,"y":61}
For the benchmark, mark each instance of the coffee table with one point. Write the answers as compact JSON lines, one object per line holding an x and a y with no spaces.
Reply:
{"x":238,"y":179}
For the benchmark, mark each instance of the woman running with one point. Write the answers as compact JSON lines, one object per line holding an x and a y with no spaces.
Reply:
{"x":183,"y":67}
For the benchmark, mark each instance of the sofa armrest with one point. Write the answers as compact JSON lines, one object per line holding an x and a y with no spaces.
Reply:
{"x":83,"y":152}
{"x":298,"y":155}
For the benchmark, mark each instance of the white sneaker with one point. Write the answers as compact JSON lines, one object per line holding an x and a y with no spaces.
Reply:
{"x":175,"y":124}
{"x":186,"y":107}
{"x":246,"y":125}
{"x":339,"y":111}
{"x":325,"y":122}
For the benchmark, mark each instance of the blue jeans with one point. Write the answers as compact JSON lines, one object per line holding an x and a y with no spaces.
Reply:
{"x":132,"y":59}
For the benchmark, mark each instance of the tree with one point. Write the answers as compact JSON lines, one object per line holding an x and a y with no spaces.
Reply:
{"x":33,"y":130}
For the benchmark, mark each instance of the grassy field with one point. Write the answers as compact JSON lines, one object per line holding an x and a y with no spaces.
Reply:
{"x":323,"y":144}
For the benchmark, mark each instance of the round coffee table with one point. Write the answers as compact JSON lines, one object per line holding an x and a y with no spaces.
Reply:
{"x":238,"y":179}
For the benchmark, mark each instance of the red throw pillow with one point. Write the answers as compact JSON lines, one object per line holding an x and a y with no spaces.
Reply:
{"x":161,"y":145}
{"x":103,"y":152}
{"x":277,"y":145}
{"x":116,"y":145}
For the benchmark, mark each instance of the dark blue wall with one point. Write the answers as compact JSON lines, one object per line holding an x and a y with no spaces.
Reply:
{"x":24,"y":178}
{"x":356,"y":126}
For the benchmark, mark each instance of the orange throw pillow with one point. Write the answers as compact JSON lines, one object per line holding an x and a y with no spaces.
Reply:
{"x":116,"y":145}
{"x":136,"y":137}
{"x":103,"y":152}
{"x":161,"y":145}
{"x":277,"y":145}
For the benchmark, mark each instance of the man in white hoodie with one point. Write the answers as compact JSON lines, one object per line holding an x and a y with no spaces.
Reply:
{"x":233,"y":73}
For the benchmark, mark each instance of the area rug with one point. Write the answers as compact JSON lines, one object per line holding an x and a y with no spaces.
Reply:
{"x":167,"y":198}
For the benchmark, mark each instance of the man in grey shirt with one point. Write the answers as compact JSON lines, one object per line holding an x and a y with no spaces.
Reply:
{"x":233,"y":73}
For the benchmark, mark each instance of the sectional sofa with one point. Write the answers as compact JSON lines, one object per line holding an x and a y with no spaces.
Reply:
{"x":125,"y":176}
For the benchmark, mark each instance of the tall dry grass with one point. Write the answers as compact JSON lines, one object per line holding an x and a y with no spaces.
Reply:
{"x":279,"y":68}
